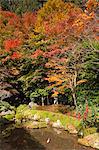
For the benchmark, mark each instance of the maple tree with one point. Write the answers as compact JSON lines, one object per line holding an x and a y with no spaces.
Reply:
{"x":47,"y":46}
{"x":66,"y":75}
{"x":65,"y":72}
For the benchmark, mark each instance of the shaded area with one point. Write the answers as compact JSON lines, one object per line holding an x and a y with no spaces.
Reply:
{"x":20,"y":139}
{"x":36,"y":139}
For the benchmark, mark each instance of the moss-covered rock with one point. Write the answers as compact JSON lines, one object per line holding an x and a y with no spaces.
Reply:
{"x":21,"y":108}
{"x":20,"y":111}
{"x":88,"y":131}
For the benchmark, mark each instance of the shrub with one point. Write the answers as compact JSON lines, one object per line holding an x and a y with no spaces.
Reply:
{"x":4,"y":106}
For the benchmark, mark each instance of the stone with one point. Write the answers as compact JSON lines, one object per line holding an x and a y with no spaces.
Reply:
{"x":32,"y":104}
{"x":36,"y":117}
{"x":47,"y":120}
{"x":57,"y":124}
{"x":23,"y":120}
{"x":91,"y":140}
{"x":80,"y":133}
{"x":72,"y":129}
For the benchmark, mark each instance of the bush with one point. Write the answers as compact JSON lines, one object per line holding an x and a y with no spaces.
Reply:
{"x":20,"y":110}
{"x":4,"y":106}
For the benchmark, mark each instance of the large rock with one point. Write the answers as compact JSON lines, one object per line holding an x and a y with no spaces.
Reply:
{"x":90,"y":140}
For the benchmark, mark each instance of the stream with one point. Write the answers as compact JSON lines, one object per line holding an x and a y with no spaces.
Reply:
{"x":40,"y":139}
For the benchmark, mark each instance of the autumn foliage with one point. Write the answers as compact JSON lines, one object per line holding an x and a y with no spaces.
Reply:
{"x":53,"y":37}
{"x":10,"y":44}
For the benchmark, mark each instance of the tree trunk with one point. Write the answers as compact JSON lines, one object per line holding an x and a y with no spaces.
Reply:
{"x":48,"y":101}
{"x":42,"y":101}
{"x":75,"y":79}
{"x":74,"y":98}
{"x":73,"y":88}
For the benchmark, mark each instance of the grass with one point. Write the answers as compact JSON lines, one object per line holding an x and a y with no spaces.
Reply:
{"x":57,"y":116}
{"x":24,"y":112}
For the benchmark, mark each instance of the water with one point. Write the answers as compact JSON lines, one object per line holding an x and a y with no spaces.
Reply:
{"x":40,"y":139}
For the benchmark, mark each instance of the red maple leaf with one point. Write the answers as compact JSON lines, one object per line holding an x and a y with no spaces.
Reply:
{"x":9,"y":44}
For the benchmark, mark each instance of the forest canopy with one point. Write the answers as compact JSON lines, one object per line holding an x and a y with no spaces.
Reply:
{"x":49,"y":49}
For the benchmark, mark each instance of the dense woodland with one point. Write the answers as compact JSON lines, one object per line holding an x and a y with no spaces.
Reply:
{"x":49,"y":51}
{"x":21,"y":6}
